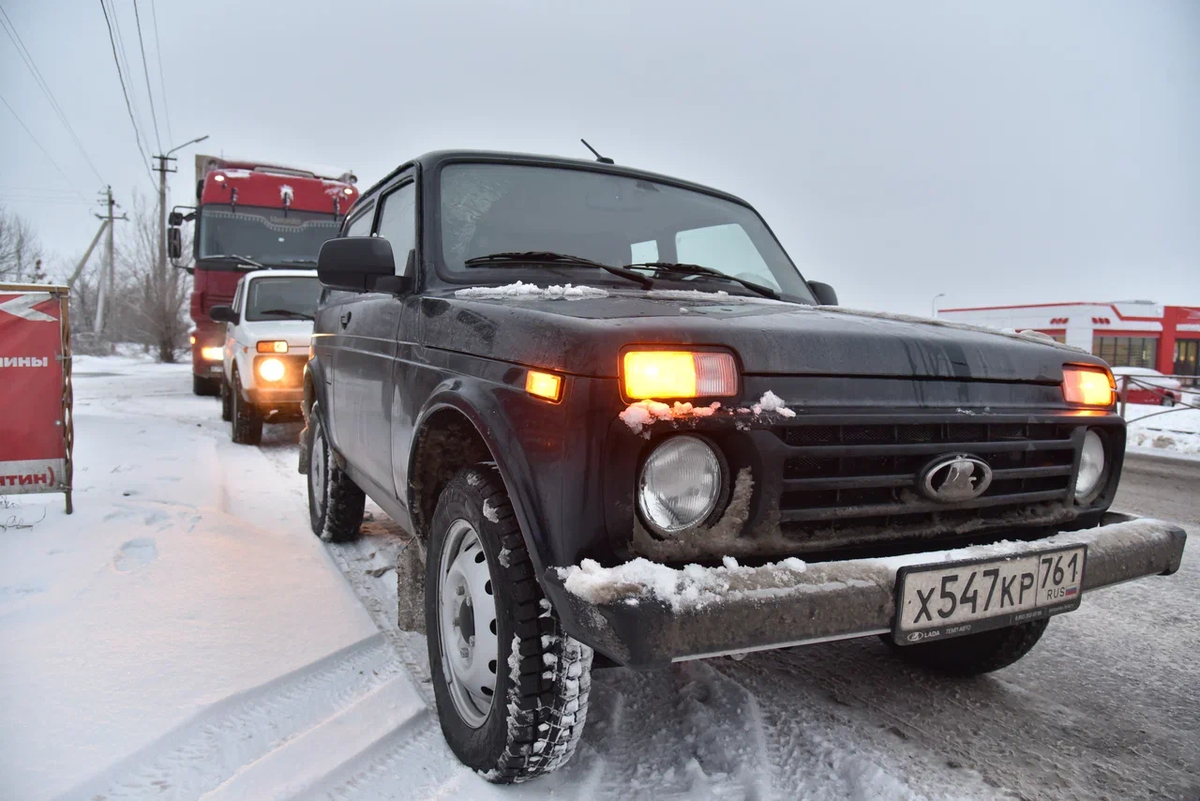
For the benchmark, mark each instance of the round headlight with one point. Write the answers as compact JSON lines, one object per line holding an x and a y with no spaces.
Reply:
{"x":270,"y":369}
{"x":1091,"y":466}
{"x":680,"y":484}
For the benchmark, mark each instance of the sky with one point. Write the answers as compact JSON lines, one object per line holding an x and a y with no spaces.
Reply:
{"x":1001,"y":152}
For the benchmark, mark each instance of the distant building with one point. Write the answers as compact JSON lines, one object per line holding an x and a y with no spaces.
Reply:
{"x":1125,"y":333}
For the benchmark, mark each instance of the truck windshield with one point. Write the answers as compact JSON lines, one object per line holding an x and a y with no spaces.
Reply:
{"x":264,"y":235}
{"x":286,"y":297}
{"x":612,"y":219}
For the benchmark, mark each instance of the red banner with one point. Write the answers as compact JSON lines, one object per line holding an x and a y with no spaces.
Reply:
{"x":33,"y":450}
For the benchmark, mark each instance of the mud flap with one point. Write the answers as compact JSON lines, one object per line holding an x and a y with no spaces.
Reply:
{"x":410,"y":587}
{"x":304,"y":457}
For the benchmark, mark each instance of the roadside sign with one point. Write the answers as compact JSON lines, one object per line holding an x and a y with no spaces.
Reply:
{"x":36,"y":431}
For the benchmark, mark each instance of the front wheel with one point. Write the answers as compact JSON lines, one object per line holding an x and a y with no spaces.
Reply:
{"x":335,"y":503}
{"x":226,"y":402}
{"x":973,"y":654}
{"x":247,"y":424}
{"x":1168,"y":400}
{"x":511,"y":687}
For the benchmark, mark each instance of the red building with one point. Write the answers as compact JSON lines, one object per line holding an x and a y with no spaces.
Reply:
{"x":1123,"y":333}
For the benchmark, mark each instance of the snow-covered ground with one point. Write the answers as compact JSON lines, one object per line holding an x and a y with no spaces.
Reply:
{"x":184,"y":635}
{"x":1167,"y":431}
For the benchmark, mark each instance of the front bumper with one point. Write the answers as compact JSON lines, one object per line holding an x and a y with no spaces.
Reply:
{"x":634,"y":626}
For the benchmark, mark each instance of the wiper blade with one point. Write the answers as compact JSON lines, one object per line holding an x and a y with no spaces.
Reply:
{"x":700,"y":269}
{"x":233,"y":257}
{"x":546,"y":257}
{"x":287,"y":313}
{"x":297,"y":261}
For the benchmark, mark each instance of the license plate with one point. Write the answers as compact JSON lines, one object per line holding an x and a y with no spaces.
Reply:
{"x":950,"y":600}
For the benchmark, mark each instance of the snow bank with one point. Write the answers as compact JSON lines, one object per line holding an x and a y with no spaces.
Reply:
{"x":1176,"y":433}
{"x":690,"y":587}
{"x":523,"y":291}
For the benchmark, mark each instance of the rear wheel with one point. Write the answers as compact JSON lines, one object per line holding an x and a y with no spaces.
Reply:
{"x":1168,"y":400}
{"x":247,"y":424}
{"x":512,"y":688}
{"x":204,"y":386}
{"x":335,"y":502}
{"x":973,"y":654}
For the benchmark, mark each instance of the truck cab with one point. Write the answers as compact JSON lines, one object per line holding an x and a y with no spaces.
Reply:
{"x":251,"y":215}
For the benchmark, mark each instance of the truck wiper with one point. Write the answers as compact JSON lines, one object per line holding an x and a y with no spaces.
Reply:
{"x":297,"y":261}
{"x":546,"y":257}
{"x":287,"y":313}
{"x":233,"y":257}
{"x":700,"y":269}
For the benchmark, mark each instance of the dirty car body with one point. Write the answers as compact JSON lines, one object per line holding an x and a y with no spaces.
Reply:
{"x":426,"y":370}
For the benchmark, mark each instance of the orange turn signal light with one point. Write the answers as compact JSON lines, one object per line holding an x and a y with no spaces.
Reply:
{"x":1088,"y":386}
{"x":544,"y":385}
{"x":276,"y":346}
{"x":663,"y":374}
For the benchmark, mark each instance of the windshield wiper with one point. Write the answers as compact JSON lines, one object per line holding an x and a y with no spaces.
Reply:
{"x":233,"y":257}
{"x":700,"y":269}
{"x":287,"y":313}
{"x":297,"y":261}
{"x":546,"y":257}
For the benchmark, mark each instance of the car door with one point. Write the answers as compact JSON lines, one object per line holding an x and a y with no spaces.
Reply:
{"x":366,"y":358}
{"x":326,"y":327}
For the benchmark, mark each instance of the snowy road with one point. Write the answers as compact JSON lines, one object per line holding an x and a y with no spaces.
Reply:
{"x":1105,"y":707}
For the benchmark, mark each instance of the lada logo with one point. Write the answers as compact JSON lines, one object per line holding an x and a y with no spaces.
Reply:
{"x":951,"y":479}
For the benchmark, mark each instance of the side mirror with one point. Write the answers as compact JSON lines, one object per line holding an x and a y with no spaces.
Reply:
{"x":223,"y":314}
{"x":826,"y":296}
{"x":174,"y":241}
{"x":359,"y":263}
{"x":175,"y":219}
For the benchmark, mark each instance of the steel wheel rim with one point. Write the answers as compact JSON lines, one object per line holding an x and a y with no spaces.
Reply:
{"x":316,"y":470}
{"x":466,"y":624}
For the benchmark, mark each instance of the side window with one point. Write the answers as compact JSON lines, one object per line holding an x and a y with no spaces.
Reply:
{"x":361,"y":225}
{"x":727,"y":248}
{"x":643,"y":252}
{"x":398,"y":222}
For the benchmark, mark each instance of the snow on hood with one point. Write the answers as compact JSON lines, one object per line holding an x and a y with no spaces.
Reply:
{"x":523,"y":291}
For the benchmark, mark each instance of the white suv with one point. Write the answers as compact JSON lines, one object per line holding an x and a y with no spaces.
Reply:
{"x":268,"y":328}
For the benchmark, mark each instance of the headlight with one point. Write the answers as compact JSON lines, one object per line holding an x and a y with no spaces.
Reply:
{"x":212,"y":353}
{"x":270,"y":370}
{"x":680,"y":484}
{"x":1091,"y":467}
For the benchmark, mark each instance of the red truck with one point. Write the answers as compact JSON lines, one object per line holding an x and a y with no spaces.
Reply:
{"x":251,"y":215}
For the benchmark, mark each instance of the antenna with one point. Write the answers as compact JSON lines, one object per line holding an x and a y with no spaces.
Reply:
{"x":599,"y":158}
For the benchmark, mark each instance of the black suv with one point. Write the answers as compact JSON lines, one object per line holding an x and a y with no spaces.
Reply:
{"x":620,"y":424}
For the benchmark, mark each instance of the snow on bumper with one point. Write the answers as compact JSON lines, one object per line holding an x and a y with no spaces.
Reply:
{"x":645,"y":615}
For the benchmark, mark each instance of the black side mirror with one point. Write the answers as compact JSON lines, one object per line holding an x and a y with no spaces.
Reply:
{"x":174,"y":241}
{"x":826,"y":296}
{"x":360,"y":263}
{"x":223,"y":314}
{"x":175,"y":218}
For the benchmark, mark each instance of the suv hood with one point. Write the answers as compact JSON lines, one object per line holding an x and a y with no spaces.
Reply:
{"x":585,"y":336}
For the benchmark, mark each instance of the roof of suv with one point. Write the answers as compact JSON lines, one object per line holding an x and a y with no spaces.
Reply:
{"x":436,"y":158}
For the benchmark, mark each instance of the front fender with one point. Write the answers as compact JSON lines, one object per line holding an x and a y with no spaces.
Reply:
{"x":492,"y":409}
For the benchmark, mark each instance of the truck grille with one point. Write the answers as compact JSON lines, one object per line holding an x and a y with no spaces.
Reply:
{"x":846,"y":478}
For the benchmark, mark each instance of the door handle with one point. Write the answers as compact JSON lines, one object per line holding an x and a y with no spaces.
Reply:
{"x":345,"y":319}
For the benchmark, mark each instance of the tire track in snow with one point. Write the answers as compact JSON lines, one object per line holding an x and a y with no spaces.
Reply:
{"x":203,"y":752}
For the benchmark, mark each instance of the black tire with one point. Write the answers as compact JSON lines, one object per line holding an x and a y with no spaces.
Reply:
{"x":534,"y":723}
{"x":335,"y":503}
{"x":973,"y":654}
{"x":205,"y":387}
{"x":246,"y":425}
{"x":226,"y":402}
{"x":1168,"y":400}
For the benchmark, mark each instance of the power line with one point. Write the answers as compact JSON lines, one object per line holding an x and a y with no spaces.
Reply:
{"x":162,"y":82}
{"x":39,"y":144}
{"x":128,"y":71}
{"x":146,"y":69}
{"x":31,"y":65}
{"x":137,"y":134}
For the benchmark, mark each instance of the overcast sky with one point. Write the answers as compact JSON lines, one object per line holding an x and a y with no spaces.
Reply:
{"x":1002,"y":152}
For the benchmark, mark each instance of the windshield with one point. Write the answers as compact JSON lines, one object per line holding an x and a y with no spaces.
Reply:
{"x":264,"y":235}
{"x":282,"y":298}
{"x":612,"y":219}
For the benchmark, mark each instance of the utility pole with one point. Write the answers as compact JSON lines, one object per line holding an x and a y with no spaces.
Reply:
{"x":109,"y":264}
{"x":162,"y":169}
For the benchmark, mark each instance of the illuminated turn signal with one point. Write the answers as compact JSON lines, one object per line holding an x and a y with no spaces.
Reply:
{"x":663,"y":374}
{"x":1088,"y":386}
{"x":277,"y":346}
{"x":543,"y":385}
